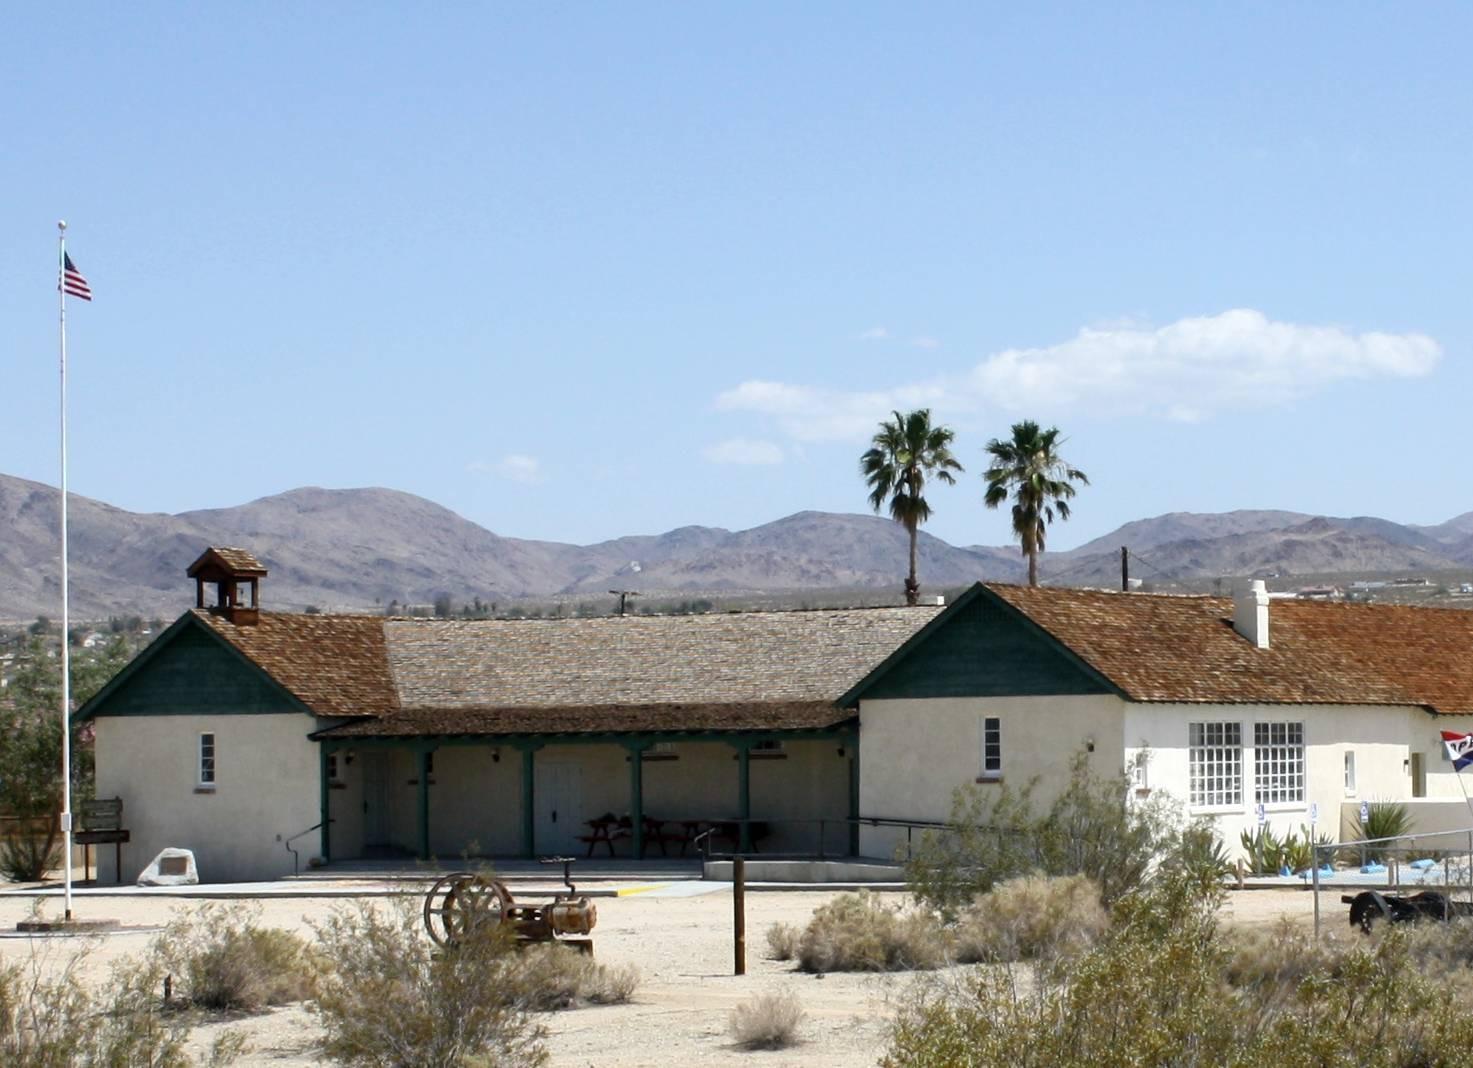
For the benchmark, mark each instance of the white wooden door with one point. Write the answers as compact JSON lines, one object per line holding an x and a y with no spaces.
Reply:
{"x":557,"y":799}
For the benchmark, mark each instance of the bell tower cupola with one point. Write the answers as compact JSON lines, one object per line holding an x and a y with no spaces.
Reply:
{"x":230,"y":571}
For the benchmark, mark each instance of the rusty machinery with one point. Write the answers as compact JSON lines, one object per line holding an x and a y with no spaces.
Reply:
{"x":461,"y":901}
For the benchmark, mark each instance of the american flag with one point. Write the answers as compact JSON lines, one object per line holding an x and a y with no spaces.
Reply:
{"x":72,"y":281}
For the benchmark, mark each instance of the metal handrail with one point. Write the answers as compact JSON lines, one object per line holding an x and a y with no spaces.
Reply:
{"x":296,"y":865}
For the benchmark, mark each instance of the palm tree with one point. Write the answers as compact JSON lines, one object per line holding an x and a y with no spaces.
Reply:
{"x":903,"y":455}
{"x":1040,"y":481}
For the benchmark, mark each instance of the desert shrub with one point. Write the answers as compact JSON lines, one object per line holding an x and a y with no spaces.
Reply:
{"x":27,"y":857}
{"x":1384,"y":819}
{"x":1159,"y":990}
{"x":1263,"y":850}
{"x":782,"y":941}
{"x":859,"y":933}
{"x":1197,"y":855}
{"x":222,"y":959}
{"x":557,"y":977}
{"x":1091,"y":829}
{"x":388,"y":998}
{"x":1278,"y":959}
{"x":767,"y":1021}
{"x":1029,"y":917}
{"x":49,"y":1019}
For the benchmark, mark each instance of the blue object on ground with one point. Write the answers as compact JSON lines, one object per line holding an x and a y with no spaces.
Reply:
{"x":1286,"y":870}
{"x":1373,"y":869}
{"x":1326,"y":870}
{"x":1425,"y":862}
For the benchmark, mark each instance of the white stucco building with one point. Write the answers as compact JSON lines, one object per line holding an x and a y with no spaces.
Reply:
{"x":240,"y":732}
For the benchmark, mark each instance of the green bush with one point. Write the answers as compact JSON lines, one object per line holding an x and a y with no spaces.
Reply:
{"x":1091,"y":829}
{"x":1384,"y":819}
{"x":388,"y":998}
{"x":857,"y":932}
{"x":1031,"y":917}
{"x":222,"y":959}
{"x":1165,"y":988}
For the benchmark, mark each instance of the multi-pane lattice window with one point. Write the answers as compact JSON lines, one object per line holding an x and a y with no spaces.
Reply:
{"x":1278,"y":762}
{"x":1216,"y":764}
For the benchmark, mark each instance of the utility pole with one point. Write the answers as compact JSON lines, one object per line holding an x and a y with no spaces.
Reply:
{"x":1124,"y":569}
{"x":624,"y":596}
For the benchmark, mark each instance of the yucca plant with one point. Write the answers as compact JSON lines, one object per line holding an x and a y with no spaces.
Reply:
{"x":1384,"y":819}
{"x":1265,"y":850}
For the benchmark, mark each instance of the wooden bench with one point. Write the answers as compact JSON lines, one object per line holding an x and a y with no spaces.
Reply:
{"x":101,"y":822}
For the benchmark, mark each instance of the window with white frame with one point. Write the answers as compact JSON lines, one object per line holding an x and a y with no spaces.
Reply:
{"x":1216,"y":764}
{"x":1278,"y":763}
{"x":1350,"y":773}
{"x":207,"y":759}
{"x":1140,"y":770}
{"x":991,"y":747}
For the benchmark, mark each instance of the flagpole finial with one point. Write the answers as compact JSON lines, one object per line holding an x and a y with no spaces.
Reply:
{"x":61,"y":224}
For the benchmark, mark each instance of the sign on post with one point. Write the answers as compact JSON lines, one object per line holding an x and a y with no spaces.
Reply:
{"x":1365,"y":813}
{"x":1261,"y":813}
{"x":1314,"y":813}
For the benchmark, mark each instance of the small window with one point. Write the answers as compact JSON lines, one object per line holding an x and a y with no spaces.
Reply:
{"x":991,"y":748}
{"x":768,"y":749}
{"x":1350,"y":773}
{"x":1140,"y":766}
{"x":660,"y":751}
{"x":207,"y":759}
{"x":334,"y":775}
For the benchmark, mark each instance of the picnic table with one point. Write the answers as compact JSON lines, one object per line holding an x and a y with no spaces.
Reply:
{"x":608,"y":829}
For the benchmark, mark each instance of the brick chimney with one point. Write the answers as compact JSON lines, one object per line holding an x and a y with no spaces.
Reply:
{"x":1250,"y":612}
{"x":230,"y":571}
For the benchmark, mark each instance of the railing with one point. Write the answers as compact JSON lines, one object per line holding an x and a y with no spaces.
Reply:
{"x":296,"y":868}
{"x":1441,"y":860}
{"x":730,"y":830}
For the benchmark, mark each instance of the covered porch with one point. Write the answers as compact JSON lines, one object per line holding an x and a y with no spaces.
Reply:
{"x":640,"y":795}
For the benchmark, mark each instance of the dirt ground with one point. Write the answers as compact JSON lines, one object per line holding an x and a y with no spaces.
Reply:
{"x":681,"y":946}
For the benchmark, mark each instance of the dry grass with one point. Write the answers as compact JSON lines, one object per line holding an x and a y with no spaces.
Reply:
{"x":555,"y":977}
{"x":859,"y":933}
{"x":782,"y":941}
{"x":1032,"y":917}
{"x":223,"y":960}
{"x":767,"y":1021}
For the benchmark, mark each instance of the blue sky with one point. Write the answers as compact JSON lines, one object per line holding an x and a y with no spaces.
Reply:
{"x":578,"y":271}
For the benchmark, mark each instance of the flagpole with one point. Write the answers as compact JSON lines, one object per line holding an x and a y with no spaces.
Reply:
{"x":66,"y":638}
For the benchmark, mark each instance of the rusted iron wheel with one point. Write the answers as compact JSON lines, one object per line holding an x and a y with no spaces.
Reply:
{"x":459,"y":903}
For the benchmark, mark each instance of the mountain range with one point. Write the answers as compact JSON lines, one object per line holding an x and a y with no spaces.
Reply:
{"x":361,"y":549}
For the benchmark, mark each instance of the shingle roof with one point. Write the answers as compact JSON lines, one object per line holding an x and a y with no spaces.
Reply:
{"x":335,"y":665}
{"x":750,"y":671}
{"x":241,"y":561}
{"x":1172,"y":648}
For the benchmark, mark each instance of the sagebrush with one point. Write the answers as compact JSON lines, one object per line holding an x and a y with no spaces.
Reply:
{"x":222,"y":959}
{"x":858,"y":932}
{"x":1031,"y":917}
{"x":767,"y":1021}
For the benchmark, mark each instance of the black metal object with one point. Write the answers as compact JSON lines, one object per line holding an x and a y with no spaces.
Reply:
{"x":1370,"y":907}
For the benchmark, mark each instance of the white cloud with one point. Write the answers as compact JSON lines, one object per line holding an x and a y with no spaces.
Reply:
{"x":874,"y":333}
{"x":514,"y":466}
{"x":1186,"y":371}
{"x":743,"y":451}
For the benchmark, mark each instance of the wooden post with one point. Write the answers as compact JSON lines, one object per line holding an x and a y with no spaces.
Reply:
{"x":853,"y":744}
{"x":739,"y":913}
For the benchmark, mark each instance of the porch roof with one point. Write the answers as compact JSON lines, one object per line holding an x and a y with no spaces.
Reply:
{"x":623,"y":719}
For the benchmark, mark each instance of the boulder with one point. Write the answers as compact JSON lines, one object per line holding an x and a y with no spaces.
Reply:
{"x":172,"y":867}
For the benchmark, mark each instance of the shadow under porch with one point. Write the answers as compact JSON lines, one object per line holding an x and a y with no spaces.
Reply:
{"x":790,"y":793}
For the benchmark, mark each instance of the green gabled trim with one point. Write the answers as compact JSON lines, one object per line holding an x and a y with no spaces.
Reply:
{"x":978,"y":591}
{"x":94,"y":706}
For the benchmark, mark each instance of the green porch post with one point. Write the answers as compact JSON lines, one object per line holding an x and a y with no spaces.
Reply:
{"x":529,"y":814}
{"x":636,"y":794}
{"x":744,"y":796}
{"x":422,"y":758}
{"x":853,"y":743}
{"x":324,"y":799}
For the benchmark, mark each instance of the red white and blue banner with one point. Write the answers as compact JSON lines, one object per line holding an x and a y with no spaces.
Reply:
{"x":1459,"y":748}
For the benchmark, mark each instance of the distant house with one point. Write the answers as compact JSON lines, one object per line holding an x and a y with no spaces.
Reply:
{"x":239,"y":730}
